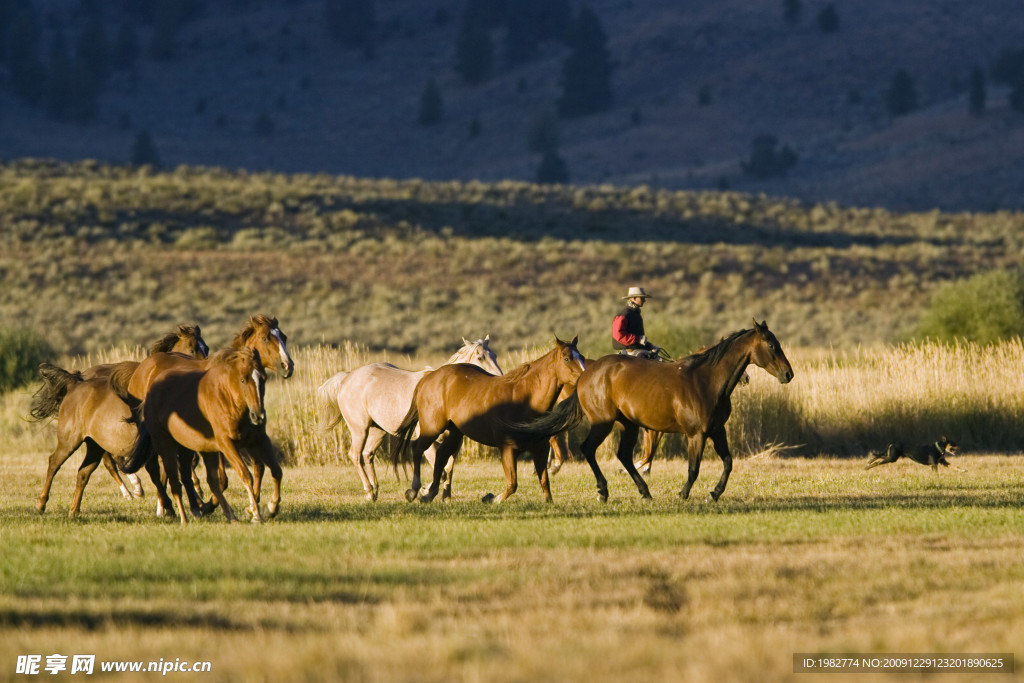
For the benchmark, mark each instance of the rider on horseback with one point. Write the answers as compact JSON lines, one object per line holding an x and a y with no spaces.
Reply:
{"x":628,"y":327}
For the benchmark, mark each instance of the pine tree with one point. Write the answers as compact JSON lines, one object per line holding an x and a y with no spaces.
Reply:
{"x":586,"y":72}
{"x":352,"y":22}
{"x":22,"y":37}
{"x":126,"y":48}
{"x":431,"y":105}
{"x":552,"y":169}
{"x":143,"y":151}
{"x":828,"y":19}
{"x":474,"y":51}
{"x":978,"y":92}
{"x":901,"y":95}
{"x":61,"y":81}
{"x":791,"y":11}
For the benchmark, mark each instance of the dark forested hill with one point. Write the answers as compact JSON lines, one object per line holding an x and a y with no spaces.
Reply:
{"x":866,"y":103}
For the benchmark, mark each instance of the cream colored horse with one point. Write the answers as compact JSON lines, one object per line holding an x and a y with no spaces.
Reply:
{"x":375,"y":398}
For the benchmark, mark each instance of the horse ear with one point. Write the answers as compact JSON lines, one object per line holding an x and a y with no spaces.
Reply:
{"x":465,"y":342}
{"x":575,"y":339}
{"x":757,"y":326}
{"x":487,"y":338}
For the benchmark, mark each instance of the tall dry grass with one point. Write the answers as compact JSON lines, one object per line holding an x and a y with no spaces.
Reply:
{"x":845,"y":402}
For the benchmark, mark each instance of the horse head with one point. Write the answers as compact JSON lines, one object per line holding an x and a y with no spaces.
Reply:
{"x":767,"y":353}
{"x":571,"y":364}
{"x":186,"y":339}
{"x":263,"y":334}
{"x":250,"y":378}
{"x":478,"y":353}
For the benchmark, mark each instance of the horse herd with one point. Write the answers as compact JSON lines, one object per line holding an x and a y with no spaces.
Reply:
{"x":181,"y":403}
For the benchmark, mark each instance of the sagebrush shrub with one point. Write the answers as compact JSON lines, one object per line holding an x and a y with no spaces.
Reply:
{"x":21,"y":352}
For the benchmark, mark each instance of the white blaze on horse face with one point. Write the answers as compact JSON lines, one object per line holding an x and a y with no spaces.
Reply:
{"x":578,"y":358}
{"x":276,"y":334}
{"x":257,"y":379}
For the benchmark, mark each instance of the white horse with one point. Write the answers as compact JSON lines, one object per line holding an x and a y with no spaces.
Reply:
{"x":374,"y":399}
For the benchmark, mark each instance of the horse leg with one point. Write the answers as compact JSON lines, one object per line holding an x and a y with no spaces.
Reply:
{"x":445,"y":451}
{"x":418,"y":447}
{"x":559,"y":444}
{"x":509,"y":458}
{"x":167,"y":448}
{"x":630,"y":432}
{"x":540,"y":465}
{"x":262,"y":452}
{"x":66,"y":445}
{"x":230,"y":452}
{"x":361,"y":439}
{"x":694,"y":451}
{"x":648,"y":446}
{"x":598,"y":433}
{"x":155,"y":471}
{"x":210,"y":461}
{"x":257,"y":476}
{"x":137,"y":490}
{"x":94,"y":454}
{"x":187,"y":477}
{"x":430,"y":455}
{"x":108,"y":462}
{"x":721,"y":444}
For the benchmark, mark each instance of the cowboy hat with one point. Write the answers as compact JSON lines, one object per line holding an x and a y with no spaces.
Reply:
{"x":637,"y":292}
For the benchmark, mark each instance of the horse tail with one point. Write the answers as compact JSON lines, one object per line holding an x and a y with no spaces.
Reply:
{"x":327,"y":394}
{"x":403,"y":435}
{"x":564,"y":416}
{"x":142,"y":450}
{"x":47,"y":399}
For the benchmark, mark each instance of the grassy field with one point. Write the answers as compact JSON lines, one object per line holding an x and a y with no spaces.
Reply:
{"x":799,"y":556}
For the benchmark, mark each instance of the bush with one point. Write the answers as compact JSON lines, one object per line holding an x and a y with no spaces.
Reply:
{"x":985,"y":308}
{"x":21,"y":352}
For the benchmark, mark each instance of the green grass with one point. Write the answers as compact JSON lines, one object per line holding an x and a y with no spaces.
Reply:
{"x":799,"y":555}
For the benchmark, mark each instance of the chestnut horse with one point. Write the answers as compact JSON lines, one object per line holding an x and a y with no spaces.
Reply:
{"x":469,"y":402}
{"x":218,"y":408}
{"x":690,"y":397}
{"x":373,"y":400}
{"x":261,"y":334}
{"x":89,"y":412}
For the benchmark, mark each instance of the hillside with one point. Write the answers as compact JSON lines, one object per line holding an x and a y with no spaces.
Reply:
{"x":93,"y":256}
{"x":335,"y":110}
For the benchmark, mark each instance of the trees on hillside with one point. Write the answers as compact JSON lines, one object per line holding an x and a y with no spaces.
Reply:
{"x":587,"y":71}
{"x":901,"y":95}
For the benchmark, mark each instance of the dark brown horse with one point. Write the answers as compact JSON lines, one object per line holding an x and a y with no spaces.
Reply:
{"x":89,"y":412}
{"x":690,"y":396}
{"x":471,"y":402}
{"x":217,"y":409}
{"x":261,"y":334}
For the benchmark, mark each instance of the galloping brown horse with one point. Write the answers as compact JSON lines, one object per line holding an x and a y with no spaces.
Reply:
{"x":261,"y":334}
{"x":89,"y":412}
{"x":468,"y":401}
{"x":690,"y":396}
{"x":215,"y":409}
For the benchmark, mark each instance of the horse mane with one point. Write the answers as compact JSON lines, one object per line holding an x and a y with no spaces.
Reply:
{"x":256,"y":321}
{"x":167,"y":342}
{"x":232,"y":354}
{"x":714,"y":353}
{"x":514,"y":376}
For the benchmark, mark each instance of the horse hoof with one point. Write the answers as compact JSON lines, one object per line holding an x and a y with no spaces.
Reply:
{"x":446,"y":494}
{"x":554,"y":467}
{"x":715,"y":495}
{"x":489,"y":498}
{"x":411,"y":494}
